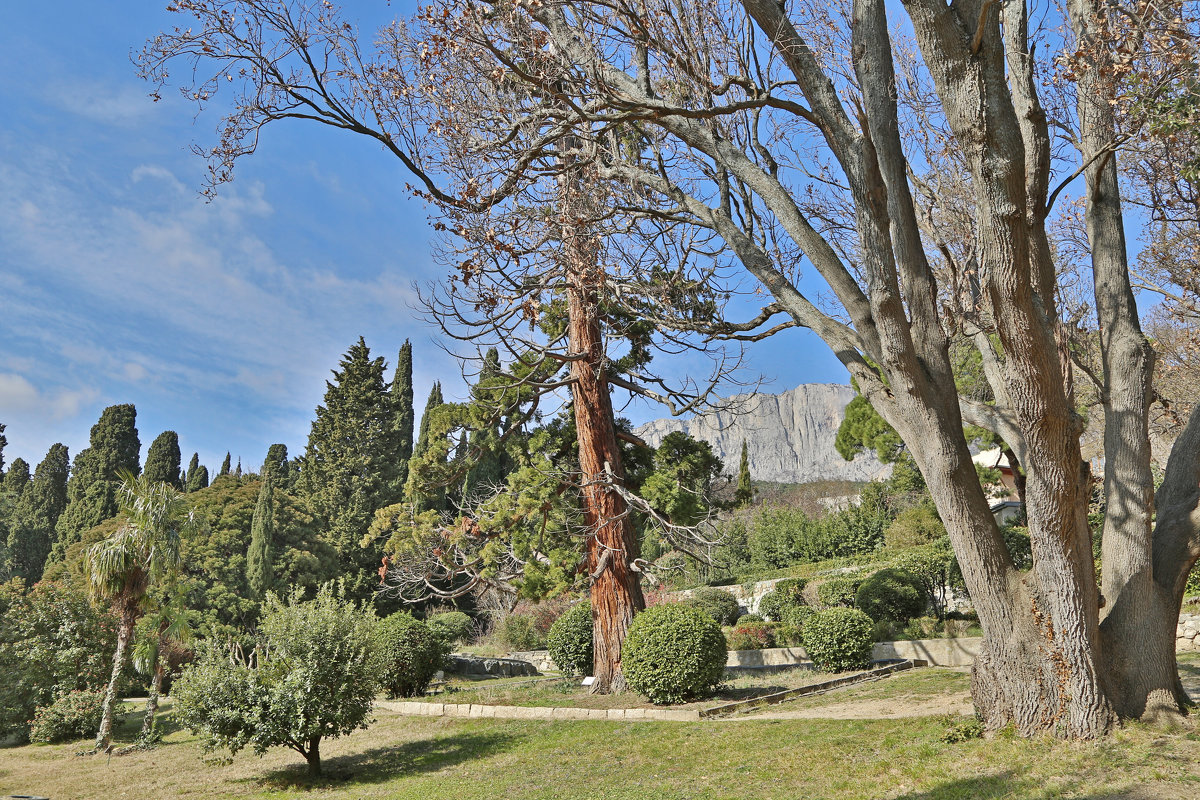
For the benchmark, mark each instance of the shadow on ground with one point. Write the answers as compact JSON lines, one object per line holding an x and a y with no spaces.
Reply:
{"x":1010,"y":785}
{"x":380,"y":764}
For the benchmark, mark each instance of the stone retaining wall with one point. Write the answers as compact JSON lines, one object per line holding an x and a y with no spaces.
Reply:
{"x":1187,"y":635}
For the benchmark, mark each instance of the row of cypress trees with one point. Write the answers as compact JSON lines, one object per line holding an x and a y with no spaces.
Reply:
{"x":355,"y":462}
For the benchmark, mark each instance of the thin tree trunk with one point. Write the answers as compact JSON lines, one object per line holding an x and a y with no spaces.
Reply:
{"x":124,"y":634}
{"x":152,"y":702}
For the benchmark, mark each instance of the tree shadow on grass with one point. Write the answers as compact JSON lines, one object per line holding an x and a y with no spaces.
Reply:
{"x":1010,"y":785}
{"x":380,"y":764}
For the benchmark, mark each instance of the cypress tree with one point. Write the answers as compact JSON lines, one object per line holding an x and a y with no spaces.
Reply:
{"x":92,"y":488}
{"x":350,"y":465}
{"x":197,"y":475}
{"x":237,"y":474}
{"x":16,"y":480}
{"x":259,"y":559}
{"x":435,"y":400}
{"x":745,"y":491}
{"x":162,"y":460}
{"x":492,"y":464}
{"x":226,"y":465}
{"x":3,"y":444}
{"x":37,"y":512}
{"x":403,"y":413}
{"x":278,"y":465}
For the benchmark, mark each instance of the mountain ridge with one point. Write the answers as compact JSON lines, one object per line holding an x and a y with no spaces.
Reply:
{"x":789,"y":436}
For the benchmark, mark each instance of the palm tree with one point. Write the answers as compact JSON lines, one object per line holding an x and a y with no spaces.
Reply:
{"x":140,"y":554}
{"x":165,"y":626}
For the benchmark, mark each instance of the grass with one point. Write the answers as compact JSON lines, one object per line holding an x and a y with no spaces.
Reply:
{"x":406,"y":757}
{"x":569,"y":692}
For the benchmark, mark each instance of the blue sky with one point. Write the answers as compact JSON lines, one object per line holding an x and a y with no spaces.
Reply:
{"x":221,"y":321}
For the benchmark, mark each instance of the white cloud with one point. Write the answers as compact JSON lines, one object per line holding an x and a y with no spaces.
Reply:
{"x":121,"y":106}
{"x":18,"y":396}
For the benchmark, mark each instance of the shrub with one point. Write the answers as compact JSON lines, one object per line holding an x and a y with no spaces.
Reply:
{"x":518,"y":632}
{"x":570,"y":640}
{"x":720,"y":605}
{"x":914,"y":527}
{"x":839,"y":639}
{"x":745,"y":619}
{"x":316,"y":679}
{"x":408,"y":654}
{"x":673,"y":653}
{"x":892,"y":595}
{"x":752,"y":636}
{"x":961,"y":730}
{"x":788,"y":635}
{"x":75,"y":715}
{"x":451,"y":627}
{"x":797,"y":616}
{"x":838,"y":592}
{"x":787,"y":593}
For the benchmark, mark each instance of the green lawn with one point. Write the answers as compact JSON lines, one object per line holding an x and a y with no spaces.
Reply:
{"x":462,"y":759}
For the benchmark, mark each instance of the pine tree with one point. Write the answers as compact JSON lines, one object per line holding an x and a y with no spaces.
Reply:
{"x":226,"y":465}
{"x":403,"y":413}
{"x":162,"y":460}
{"x":37,"y":512}
{"x":350,"y":465}
{"x":92,"y":488}
{"x":259,"y":559}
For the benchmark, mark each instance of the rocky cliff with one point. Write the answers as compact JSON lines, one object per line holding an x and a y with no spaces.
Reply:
{"x":789,"y":437}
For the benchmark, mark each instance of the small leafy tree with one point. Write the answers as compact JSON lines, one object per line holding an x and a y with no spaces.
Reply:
{"x":313,"y":677}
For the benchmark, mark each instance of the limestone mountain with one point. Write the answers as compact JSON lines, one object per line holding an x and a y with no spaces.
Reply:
{"x":789,"y":436}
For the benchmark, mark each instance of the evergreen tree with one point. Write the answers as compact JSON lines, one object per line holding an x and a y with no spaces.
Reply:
{"x":3,"y":444}
{"x":237,"y":474}
{"x":403,"y":413}
{"x":16,"y":479}
{"x":190,"y":474}
{"x":744,"y":495}
{"x":278,"y":465}
{"x":197,"y":475}
{"x":92,"y":488}
{"x":226,"y":465}
{"x":37,"y":512}
{"x":435,"y":400}
{"x":491,"y":463}
{"x":350,"y":465}
{"x":259,"y":567}
{"x":162,"y":460}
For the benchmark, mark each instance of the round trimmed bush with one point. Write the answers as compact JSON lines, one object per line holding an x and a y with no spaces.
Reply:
{"x":839,"y":639}
{"x":673,"y":653}
{"x":408,"y":655}
{"x":797,"y":616}
{"x":570,"y":640}
{"x":451,"y":627}
{"x":75,"y":715}
{"x":891,"y":595}
{"x":518,"y":632}
{"x":745,"y":619}
{"x":720,"y":605}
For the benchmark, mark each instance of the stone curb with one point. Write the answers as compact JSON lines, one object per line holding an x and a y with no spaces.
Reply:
{"x":478,"y":710}
{"x":742,"y":706}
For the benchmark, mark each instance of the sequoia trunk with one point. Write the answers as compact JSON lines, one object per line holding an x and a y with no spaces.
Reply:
{"x":616,"y":592}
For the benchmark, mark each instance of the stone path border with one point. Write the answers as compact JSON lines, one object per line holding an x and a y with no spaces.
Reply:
{"x":482,"y":710}
{"x":742,"y":706}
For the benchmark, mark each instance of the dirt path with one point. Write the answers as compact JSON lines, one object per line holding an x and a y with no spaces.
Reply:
{"x":890,"y":708}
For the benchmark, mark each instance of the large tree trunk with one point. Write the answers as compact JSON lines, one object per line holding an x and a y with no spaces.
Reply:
{"x":124,"y":635}
{"x":616,"y":591}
